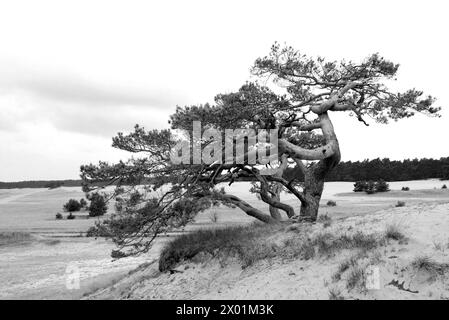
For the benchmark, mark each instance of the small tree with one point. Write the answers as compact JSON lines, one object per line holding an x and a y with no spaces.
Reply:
{"x":98,"y":205}
{"x":71,"y":206}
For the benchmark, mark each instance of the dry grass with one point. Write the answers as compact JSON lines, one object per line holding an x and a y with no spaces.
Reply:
{"x":393,"y":231}
{"x":14,"y":238}
{"x":425,"y":263}
{"x":252,"y":243}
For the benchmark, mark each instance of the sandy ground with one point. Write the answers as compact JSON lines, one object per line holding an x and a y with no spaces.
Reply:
{"x":425,"y":226}
{"x":41,"y":268}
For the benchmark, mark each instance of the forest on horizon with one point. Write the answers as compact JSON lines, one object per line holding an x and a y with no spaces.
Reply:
{"x":351,"y":171}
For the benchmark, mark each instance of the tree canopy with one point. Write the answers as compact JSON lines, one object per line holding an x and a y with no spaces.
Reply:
{"x":298,"y":95}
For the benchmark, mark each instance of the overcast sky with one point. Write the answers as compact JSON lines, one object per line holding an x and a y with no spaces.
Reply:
{"x":73,"y":73}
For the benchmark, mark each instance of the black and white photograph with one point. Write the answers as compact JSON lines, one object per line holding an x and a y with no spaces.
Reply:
{"x":233,"y":151}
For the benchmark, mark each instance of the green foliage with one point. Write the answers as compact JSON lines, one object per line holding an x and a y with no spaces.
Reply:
{"x":98,"y":205}
{"x":58,"y":216}
{"x":444,"y":186}
{"x":72,"y":205}
{"x":405,"y":189}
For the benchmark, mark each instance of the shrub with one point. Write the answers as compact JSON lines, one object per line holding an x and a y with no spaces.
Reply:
{"x":393,"y":232}
{"x":70,"y":216}
{"x":360,"y":186}
{"x":382,"y":186}
{"x":405,"y":189}
{"x":72,"y":205}
{"x":444,"y":186}
{"x":331,"y":203}
{"x":83,"y":203}
{"x":371,"y":187}
{"x":400,"y":204}
{"x":58,"y":216}
{"x":98,"y":205}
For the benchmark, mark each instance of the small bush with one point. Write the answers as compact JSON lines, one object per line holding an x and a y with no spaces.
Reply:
{"x":371,"y":187}
{"x":444,"y":186}
{"x":382,"y":186}
{"x":72,"y":205}
{"x":393,"y":232}
{"x":98,"y":205}
{"x":331,"y":203}
{"x":70,"y":216}
{"x":405,"y":189}
{"x":58,"y":216}
{"x":400,"y":204}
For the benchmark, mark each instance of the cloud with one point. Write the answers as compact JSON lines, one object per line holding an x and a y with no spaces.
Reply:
{"x":70,"y":102}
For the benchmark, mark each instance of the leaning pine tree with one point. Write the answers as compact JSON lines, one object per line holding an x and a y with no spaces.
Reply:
{"x":157,"y":195}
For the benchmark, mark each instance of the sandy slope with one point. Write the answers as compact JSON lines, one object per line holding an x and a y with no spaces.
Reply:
{"x":425,"y":225}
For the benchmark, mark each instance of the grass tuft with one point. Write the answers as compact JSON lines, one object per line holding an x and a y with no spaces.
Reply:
{"x":428,"y":264}
{"x":393,"y":232}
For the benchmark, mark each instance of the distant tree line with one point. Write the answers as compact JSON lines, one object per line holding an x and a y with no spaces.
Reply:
{"x":376,"y":169}
{"x":391,"y":170}
{"x":49,"y":184}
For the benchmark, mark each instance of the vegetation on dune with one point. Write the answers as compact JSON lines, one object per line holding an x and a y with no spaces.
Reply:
{"x":426,"y":263}
{"x":250,"y":244}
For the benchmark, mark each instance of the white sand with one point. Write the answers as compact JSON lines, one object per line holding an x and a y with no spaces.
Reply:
{"x":426,"y":227}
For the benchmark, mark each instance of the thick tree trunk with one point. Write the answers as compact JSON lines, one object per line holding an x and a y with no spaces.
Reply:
{"x":313,"y":189}
{"x":314,"y":177}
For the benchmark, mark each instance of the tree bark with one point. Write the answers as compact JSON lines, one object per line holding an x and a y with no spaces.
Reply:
{"x":315,"y":176}
{"x":274,"y":212}
{"x":250,"y":210}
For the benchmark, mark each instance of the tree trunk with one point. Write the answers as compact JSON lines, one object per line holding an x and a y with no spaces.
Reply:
{"x":314,"y":176}
{"x":274,"y":212}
